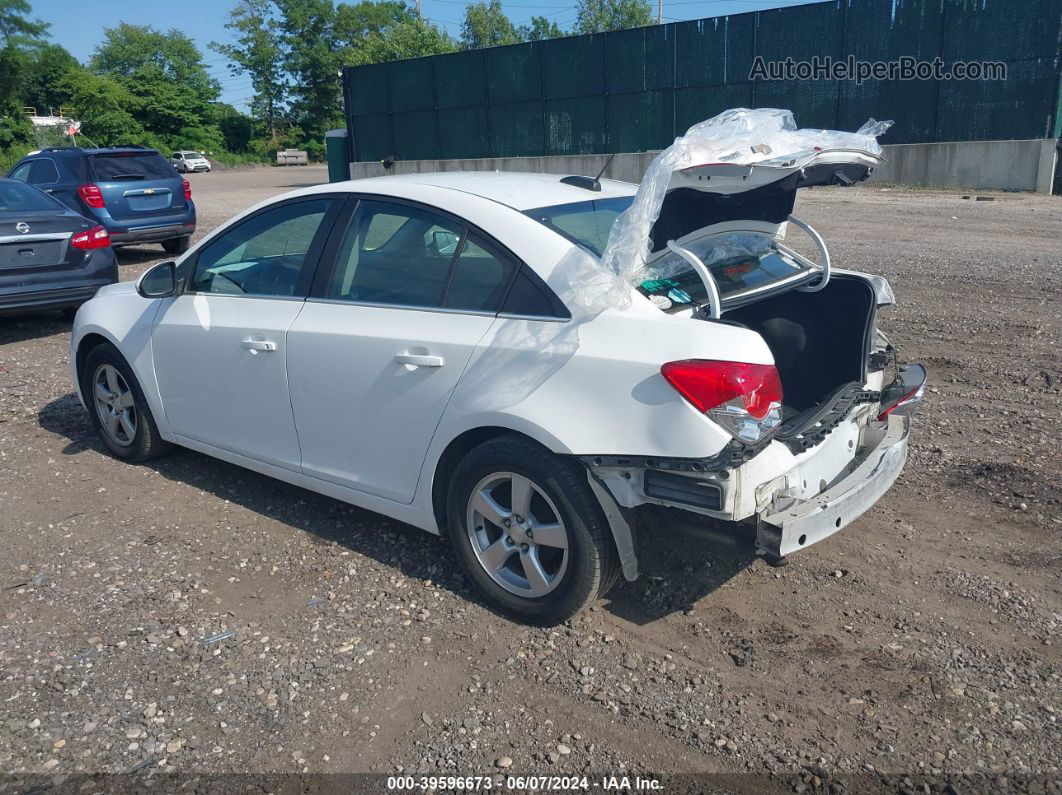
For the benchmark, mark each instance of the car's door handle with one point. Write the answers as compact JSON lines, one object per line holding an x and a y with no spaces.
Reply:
{"x":419,"y":360}
{"x":259,"y":345}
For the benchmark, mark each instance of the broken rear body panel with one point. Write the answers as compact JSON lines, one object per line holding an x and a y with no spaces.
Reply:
{"x":717,"y":254}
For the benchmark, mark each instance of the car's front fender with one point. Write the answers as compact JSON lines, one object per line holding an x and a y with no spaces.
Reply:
{"x":122,"y":317}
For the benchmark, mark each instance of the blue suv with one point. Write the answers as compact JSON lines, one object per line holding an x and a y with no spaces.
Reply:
{"x":132,"y":191}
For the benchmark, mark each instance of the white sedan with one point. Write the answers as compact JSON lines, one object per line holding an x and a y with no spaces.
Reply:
{"x":421,"y":346}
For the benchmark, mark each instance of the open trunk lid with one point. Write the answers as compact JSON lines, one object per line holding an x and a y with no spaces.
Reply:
{"x":738,"y":174}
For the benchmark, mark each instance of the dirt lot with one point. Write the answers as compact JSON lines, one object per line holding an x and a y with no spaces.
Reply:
{"x":923,"y":641}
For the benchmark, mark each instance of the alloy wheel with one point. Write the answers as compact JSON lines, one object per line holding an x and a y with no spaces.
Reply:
{"x":115,"y":405}
{"x":517,"y":534}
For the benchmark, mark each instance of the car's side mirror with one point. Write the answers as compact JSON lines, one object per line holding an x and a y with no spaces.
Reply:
{"x":445,"y":242}
{"x":159,"y":281}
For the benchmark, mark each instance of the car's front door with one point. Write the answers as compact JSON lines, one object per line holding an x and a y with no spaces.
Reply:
{"x":377,"y":351}
{"x":219,"y":348}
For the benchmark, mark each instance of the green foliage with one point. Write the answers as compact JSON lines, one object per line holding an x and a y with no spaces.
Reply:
{"x":486,"y":25}
{"x":310,"y":58}
{"x":257,"y":53}
{"x":354,"y":22}
{"x":237,"y":129}
{"x":105,"y":109}
{"x":45,"y":69}
{"x":411,"y":39}
{"x":131,"y":52}
{"x":16,"y":28}
{"x":16,"y":134}
{"x":540,"y":28}
{"x":597,"y":16}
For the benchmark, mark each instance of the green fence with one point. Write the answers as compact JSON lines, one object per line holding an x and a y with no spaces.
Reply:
{"x":635,"y":90}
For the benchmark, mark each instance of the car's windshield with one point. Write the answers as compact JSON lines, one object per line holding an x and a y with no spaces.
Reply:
{"x":586,"y":223}
{"x":16,"y":197}
{"x":192,"y":155}
{"x":739,"y":261}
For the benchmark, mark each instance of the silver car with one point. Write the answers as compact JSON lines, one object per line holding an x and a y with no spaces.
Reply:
{"x":189,"y":161}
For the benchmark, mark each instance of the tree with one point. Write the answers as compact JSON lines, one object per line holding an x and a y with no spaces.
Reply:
{"x":257,"y":53}
{"x":236,"y":128}
{"x":356,"y":21}
{"x":307,"y":28}
{"x":44,"y":73}
{"x":597,"y":16}
{"x":104,"y":107}
{"x":19,"y":36}
{"x":405,"y":40}
{"x":166,"y":87}
{"x":539,"y":29}
{"x":486,"y":25}
{"x":17,"y":29}
{"x":128,"y":49}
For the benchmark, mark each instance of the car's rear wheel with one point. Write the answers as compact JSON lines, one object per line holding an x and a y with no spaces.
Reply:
{"x":177,"y":245}
{"x":117,"y":406}
{"x":529,"y":531}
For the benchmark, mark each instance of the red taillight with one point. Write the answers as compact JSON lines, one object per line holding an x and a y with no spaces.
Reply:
{"x":96,"y":237}
{"x":709,"y":384}
{"x":187,"y":190}
{"x":91,"y":195}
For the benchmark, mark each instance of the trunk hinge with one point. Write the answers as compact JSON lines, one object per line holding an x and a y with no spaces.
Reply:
{"x":715,"y":307}
{"x":825,"y":266}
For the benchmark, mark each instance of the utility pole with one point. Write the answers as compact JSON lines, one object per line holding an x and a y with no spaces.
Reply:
{"x":659,"y":11}
{"x":418,"y":8}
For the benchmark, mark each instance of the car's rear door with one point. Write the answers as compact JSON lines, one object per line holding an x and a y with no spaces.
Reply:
{"x":381,"y":344}
{"x":219,"y":348}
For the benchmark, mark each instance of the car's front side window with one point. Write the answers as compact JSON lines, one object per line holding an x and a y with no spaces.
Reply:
{"x":265,"y":255}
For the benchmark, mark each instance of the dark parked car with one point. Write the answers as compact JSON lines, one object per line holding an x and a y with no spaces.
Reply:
{"x":134,"y":192}
{"x":50,"y":257}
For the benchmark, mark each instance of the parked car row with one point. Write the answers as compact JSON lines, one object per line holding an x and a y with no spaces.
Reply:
{"x":123,"y":195}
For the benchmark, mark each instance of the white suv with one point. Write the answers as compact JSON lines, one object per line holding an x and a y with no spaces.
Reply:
{"x":422,"y":346}
{"x":189,"y":161}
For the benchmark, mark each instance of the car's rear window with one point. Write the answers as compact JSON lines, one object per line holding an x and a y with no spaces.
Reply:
{"x":586,"y":223}
{"x":738,"y":261}
{"x":19,"y":197}
{"x":132,"y":165}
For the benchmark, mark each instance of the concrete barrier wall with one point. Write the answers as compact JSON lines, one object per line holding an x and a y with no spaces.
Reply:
{"x":987,"y":165}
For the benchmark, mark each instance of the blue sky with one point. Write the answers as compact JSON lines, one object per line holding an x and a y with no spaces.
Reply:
{"x":80,"y":29}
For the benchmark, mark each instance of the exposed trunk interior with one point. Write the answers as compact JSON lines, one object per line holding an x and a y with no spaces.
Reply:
{"x":820,"y":340}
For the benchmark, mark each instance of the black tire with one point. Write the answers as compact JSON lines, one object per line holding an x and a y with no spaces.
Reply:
{"x":146,"y":443}
{"x":592,"y":565}
{"x":177,"y":245}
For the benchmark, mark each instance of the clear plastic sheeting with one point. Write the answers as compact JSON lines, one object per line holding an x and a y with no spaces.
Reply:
{"x":765,"y":136}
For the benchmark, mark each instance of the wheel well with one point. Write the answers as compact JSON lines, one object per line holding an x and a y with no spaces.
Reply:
{"x":88,"y":342}
{"x":458,"y":448}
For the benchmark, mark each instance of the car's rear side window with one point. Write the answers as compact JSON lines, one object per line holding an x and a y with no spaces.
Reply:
{"x":405,"y":255}
{"x":587,"y":223}
{"x":132,"y":166}
{"x":16,"y":196}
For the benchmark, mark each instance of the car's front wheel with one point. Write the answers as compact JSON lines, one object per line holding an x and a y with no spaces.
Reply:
{"x":117,"y":406}
{"x":529,"y":531}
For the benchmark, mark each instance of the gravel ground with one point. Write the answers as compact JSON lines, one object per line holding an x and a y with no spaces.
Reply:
{"x":188,"y":616}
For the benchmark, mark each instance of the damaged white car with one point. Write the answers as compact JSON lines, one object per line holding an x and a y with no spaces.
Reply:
{"x":519,"y":360}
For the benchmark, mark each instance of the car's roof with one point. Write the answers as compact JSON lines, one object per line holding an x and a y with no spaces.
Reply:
{"x":102,"y":150}
{"x":521,"y":191}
